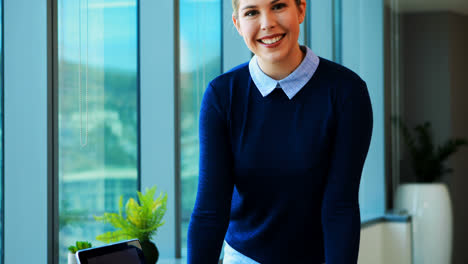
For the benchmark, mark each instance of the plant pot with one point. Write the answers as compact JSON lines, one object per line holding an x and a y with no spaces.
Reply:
{"x":71,"y":258}
{"x":150,"y":251}
{"x":430,"y":208}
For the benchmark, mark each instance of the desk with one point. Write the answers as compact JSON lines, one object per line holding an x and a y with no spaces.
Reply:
{"x":171,"y":261}
{"x":176,"y":261}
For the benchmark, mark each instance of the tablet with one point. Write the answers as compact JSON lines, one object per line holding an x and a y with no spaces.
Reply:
{"x":124,"y":252}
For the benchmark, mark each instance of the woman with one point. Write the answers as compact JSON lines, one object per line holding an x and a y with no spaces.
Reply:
{"x":283,"y":141}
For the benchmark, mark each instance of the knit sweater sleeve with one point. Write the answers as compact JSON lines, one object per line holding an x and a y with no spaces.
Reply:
{"x":210,"y":217}
{"x":340,"y":209}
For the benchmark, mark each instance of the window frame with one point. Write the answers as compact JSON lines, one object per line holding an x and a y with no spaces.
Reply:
{"x":158,"y":62}
{"x":2,"y":141}
{"x":26,"y":129}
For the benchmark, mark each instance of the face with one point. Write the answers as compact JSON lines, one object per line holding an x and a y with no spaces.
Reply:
{"x":270,"y":28}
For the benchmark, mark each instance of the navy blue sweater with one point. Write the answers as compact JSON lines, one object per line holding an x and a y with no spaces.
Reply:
{"x":279,"y":178}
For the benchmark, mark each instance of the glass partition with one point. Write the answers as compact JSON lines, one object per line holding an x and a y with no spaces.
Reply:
{"x":97,"y":114}
{"x":1,"y":133}
{"x":200,"y":61}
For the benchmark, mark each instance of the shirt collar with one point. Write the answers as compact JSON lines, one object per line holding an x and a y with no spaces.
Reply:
{"x":292,"y":83}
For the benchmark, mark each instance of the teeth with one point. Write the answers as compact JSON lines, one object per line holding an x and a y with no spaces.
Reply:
{"x":271,"y":40}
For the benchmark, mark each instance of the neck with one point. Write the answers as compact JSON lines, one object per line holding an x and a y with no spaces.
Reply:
{"x":281,"y":69}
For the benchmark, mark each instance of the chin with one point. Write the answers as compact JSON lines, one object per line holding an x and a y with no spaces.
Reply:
{"x":274,"y":58}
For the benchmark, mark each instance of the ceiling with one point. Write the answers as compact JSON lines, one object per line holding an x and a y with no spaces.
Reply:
{"x":457,"y":6}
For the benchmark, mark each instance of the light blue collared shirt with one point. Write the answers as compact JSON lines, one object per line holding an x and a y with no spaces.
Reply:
{"x":293,"y":83}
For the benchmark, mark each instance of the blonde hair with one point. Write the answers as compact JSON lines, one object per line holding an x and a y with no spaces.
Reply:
{"x":235,"y":6}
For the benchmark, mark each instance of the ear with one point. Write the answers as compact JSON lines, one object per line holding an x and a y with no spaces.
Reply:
{"x":235,"y":21}
{"x":302,"y":11}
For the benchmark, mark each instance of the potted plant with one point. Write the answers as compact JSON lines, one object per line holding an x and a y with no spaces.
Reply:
{"x":427,"y":160}
{"x":428,"y":200}
{"x":79,"y":245}
{"x":141,"y":220}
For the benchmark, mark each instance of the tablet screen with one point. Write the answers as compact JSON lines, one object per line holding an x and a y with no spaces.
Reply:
{"x":126,"y":256}
{"x":124,"y":252}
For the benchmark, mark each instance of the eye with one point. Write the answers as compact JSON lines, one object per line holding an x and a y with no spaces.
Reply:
{"x":279,"y":6}
{"x":250,"y":13}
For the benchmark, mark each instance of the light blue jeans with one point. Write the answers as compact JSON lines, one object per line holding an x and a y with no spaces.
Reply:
{"x":232,"y":256}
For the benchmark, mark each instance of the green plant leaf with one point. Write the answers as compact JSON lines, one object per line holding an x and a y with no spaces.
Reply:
{"x":72,"y":249}
{"x":427,"y":160}
{"x":79,"y":245}
{"x":140,"y":220}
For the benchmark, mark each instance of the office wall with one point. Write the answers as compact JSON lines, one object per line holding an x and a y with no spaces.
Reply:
{"x":458,"y":183}
{"x":435,"y":89}
{"x":426,"y":72}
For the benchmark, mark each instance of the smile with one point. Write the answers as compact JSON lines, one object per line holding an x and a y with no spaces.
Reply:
{"x":271,"y":40}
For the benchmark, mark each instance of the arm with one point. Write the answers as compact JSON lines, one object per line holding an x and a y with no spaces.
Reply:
{"x":210,"y":217}
{"x":340,"y":209}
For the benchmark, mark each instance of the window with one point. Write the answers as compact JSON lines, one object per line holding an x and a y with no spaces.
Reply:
{"x":1,"y":133}
{"x":361,"y":34}
{"x":200,"y":61}
{"x":350,"y":33}
{"x":97,"y":114}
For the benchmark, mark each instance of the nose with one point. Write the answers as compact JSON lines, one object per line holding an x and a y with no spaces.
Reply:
{"x":268,"y":21}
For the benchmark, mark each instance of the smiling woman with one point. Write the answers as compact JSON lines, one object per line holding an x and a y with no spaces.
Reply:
{"x":283,"y":140}
{"x":265,"y":26}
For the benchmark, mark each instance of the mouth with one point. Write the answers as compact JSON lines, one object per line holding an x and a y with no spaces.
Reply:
{"x":272,"y":39}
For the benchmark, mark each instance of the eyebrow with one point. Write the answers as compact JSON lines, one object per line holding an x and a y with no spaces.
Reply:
{"x":254,"y":6}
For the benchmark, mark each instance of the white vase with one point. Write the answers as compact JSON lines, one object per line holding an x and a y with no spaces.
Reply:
{"x":430,"y":208}
{"x":71,"y":258}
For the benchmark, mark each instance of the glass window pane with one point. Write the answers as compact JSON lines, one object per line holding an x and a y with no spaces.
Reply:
{"x":361,"y":48}
{"x":97,"y":114}
{"x":337,"y":24}
{"x":1,"y":132}
{"x":200,"y":62}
